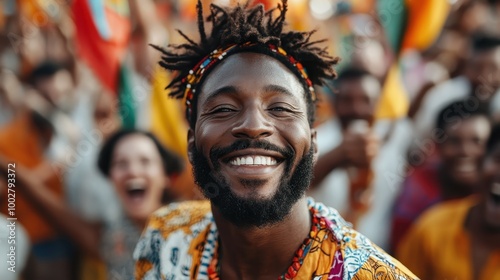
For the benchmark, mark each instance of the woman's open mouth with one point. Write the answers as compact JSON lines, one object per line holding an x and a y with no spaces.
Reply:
{"x":136,"y":191}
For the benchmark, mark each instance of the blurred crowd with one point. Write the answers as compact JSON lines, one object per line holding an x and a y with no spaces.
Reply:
{"x":408,"y":132}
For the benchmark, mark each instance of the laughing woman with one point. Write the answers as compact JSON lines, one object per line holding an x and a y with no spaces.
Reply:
{"x":140,"y":170}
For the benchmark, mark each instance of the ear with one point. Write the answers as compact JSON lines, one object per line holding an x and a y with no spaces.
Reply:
{"x":314,"y":143}
{"x":191,"y":144}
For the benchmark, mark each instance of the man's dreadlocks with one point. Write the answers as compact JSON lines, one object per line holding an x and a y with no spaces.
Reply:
{"x":239,"y":25}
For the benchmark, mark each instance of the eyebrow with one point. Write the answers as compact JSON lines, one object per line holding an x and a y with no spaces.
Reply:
{"x":221,"y":91}
{"x":232,"y":90}
{"x":278,"y":89}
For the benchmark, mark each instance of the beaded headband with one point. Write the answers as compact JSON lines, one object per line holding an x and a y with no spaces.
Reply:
{"x":197,"y":73}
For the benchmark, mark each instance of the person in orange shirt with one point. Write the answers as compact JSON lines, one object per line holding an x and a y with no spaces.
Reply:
{"x":26,"y":141}
{"x":460,"y":239}
{"x":452,"y":172}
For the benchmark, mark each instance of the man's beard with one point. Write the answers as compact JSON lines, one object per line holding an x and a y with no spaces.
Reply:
{"x":253,"y":211}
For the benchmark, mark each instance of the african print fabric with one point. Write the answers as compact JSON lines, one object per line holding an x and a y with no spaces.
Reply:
{"x":180,"y":242}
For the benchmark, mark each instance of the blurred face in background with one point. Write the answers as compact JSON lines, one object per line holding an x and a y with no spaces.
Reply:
{"x":451,"y":51}
{"x":357,"y":99}
{"x":491,"y":182}
{"x":57,"y":89}
{"x":472,"y":16}
{"x":138,"y":174}
{"x":463,"y":149}
{"x":485,"y":73}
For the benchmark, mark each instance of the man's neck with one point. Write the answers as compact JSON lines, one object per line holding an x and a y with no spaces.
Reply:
{"x":478,"y":227}
{"x":261,"y":253}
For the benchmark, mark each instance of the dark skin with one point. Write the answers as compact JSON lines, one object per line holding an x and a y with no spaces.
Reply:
{"x":264,"y":100}
{"x":461,"y":154}
{"x":483,"y":241}
{"x":482,"y":226}
{"x":356,"y":99}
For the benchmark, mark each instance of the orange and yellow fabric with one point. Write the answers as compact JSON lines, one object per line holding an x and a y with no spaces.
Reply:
{"x":426,"y":19}
{"x":438,"y":247}
{"x":181,"y":242}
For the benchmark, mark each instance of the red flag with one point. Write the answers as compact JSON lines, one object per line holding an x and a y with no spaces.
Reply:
{"x":102,"y":35}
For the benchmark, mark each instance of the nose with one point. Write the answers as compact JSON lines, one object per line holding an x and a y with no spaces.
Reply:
{"x":133,"y":169}
{"x":361,"y":110}
{"x":253,"y":124}
{"x":469,"y":149}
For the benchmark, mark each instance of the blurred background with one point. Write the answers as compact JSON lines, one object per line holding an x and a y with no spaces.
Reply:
{"x":74,"y":73}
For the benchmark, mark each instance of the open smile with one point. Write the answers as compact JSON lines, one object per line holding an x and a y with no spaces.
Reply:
{"x":253,"y":160}
{"x":252,"y":163}
{"x":136,"y":191}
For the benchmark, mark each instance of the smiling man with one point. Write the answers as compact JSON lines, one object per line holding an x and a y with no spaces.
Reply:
{"x":468,"y":247}
{"x":251,"y":104}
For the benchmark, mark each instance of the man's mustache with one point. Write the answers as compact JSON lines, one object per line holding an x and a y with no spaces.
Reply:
{"x":241,"y":144}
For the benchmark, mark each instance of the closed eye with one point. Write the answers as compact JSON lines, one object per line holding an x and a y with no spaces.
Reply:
{"x":280,"y":109}
{"x":223,"y":110}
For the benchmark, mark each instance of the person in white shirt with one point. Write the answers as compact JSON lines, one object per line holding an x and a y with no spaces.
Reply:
{"x":343,"y":147}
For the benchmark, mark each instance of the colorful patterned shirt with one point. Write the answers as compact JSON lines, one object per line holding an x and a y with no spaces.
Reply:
{"x":181,"y":240}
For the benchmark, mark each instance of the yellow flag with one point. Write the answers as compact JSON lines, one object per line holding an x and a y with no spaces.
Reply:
{"x":169,"y":125}
{"x":394,"y":101}
{"x":167,"y":117}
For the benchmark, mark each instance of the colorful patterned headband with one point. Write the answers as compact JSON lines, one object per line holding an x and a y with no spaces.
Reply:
{"x":196,"y":74}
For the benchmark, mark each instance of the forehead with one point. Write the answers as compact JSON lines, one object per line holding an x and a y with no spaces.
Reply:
{"x":475,"y":125}
{"x":250,"y":72}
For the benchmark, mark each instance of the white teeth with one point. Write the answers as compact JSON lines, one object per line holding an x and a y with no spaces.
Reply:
{"x":257,"y":160}
{"x":253,"y":160}
{"x":249,"y":161}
